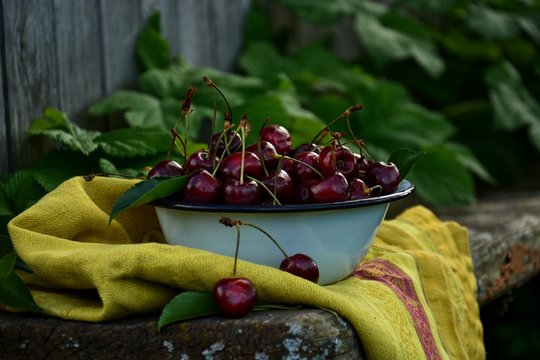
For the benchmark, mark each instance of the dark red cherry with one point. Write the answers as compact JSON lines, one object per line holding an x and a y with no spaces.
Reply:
{"x":337,"y":158}
{"x":235,"y":297}
{"x":278,"y":136}
{"x":219,"y":141}
{"x":301,"y":265}
{"x":280,"y":184}
{"x":358,"y":189}
{"x":231,"y":166}
{"x":384,"y":174}
{"x":302,"y":192}
{"x":306,"y":147}
{"x":267,"y":153}
{"x":200,"y":159}
{"x":333,"y":188}
{"x":166,"y":168}
{"x":303,"y":168}
{"x":246,"y":193}
{"x":286,"y":165}
{"x":202,"y":187}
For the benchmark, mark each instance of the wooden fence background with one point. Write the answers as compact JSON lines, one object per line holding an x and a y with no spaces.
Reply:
{"x":70,"y":53}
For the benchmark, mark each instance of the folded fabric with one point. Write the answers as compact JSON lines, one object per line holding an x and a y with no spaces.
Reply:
{"x":413,"y":297}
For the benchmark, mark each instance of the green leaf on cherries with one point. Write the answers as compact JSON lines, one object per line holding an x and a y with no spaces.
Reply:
{"x":405,"y":159}
{"x":147,"y":191}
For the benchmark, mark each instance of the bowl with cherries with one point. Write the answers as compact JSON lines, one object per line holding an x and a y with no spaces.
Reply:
{"x":311,"y":209}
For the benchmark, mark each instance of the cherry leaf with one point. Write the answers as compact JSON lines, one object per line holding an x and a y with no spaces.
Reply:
{"x":405,"y":159}
{"x":188,"y":305}
{"x":7,"y":263}
{"x":146,"y":191}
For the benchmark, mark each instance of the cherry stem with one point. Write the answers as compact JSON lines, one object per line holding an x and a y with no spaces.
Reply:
{"x":182,"y":150}
{"x":211,"y":84}
{"x":236,"y":251}
{"x":357,"y":141}
{"x":243,"y":131}
{"x":265,"y":121}
{"x":268,"y":235}
{"x":272,"y":193}
{"x":231,"y":222}
{"x":215,"y":164}
{"x":300,"y":162}
{"x":326,"y":129}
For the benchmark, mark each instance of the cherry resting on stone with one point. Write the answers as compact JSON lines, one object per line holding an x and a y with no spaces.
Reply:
{"x":235,"y":297}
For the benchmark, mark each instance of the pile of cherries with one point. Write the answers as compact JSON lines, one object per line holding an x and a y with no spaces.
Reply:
{"x":272,"y":172}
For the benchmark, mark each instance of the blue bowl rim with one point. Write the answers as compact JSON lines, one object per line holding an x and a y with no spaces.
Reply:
{"x":405,"y":189}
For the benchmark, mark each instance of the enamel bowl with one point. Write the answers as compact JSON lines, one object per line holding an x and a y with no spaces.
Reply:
{"x":336,"y":235}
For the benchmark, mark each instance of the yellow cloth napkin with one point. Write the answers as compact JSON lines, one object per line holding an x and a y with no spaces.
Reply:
{"x":413,"y":297}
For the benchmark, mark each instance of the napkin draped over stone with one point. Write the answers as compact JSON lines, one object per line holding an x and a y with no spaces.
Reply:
{"x":412,"y":297}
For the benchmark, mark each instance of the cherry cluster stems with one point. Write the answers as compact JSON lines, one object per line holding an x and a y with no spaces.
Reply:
{"x":269,"y":236}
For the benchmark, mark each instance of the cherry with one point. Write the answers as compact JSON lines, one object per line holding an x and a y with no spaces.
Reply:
{"x":358,"y":189}
{"x":301,"y":265}
{"x":266,"y":152}
{"x":307,"y":165}
{"x":241,"y":193}
{"x":337,"y":158}
{"x":202,"y":187}
{"x":280,"y":184}
{"x":219,"y":141}
{"x":231,"y":166}
{"x":278,"y":136}
{"x":333,"y":188}
{"x":235,"y":297}
{"x":166,"y":168}
{"x":306,"y":147}
{"x":200,"y":160}
{"x":384,"y":174}
{"x":302,"y":191}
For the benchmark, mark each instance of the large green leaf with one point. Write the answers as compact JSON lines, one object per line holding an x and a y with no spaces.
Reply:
{"x":134,"y":141}
{"x":491,"y":23}
{"x":141,"y":109}
{"x":146,"y":191}
{"x":513,"y":105}
{"x":441,"y":179}
{"x":6,"y":246}
{"x":23,"y":190}
{"x":152,"y":48}
{"x":14,"y":293}
{"x":7,"y":264}
{"x":56,"y":126}
{"x":5,"y":203}
{"x":384,"y":44}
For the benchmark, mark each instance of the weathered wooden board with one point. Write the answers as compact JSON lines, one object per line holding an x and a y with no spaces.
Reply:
{"x":69,"y":54}
{"x":505,"y":245}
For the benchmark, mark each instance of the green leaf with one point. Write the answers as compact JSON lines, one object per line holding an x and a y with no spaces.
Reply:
{"x":14,"y":293}
{"x":153,"y":49}
{"x":58,"y":166}
{"x":141,"y":109}
{"x":513,"y":105}
{"x":491,"y":23}
{"x":137,"y":141}
{"x":384,"y":44}
{"x":6,"y":246}
{"x":7,"y":263}
{"x":23,"y":190}
{"x":405,"y":159}
{"x":5,"y":204}
{"x":187,"y":305}
{"x":441,"y":179}
{"x":56,"y":126}
{"x":146,"y":191}
{"x":466,"y":158}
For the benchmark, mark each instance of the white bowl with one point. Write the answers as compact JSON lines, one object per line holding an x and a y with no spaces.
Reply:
{"x":336,"y":235}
